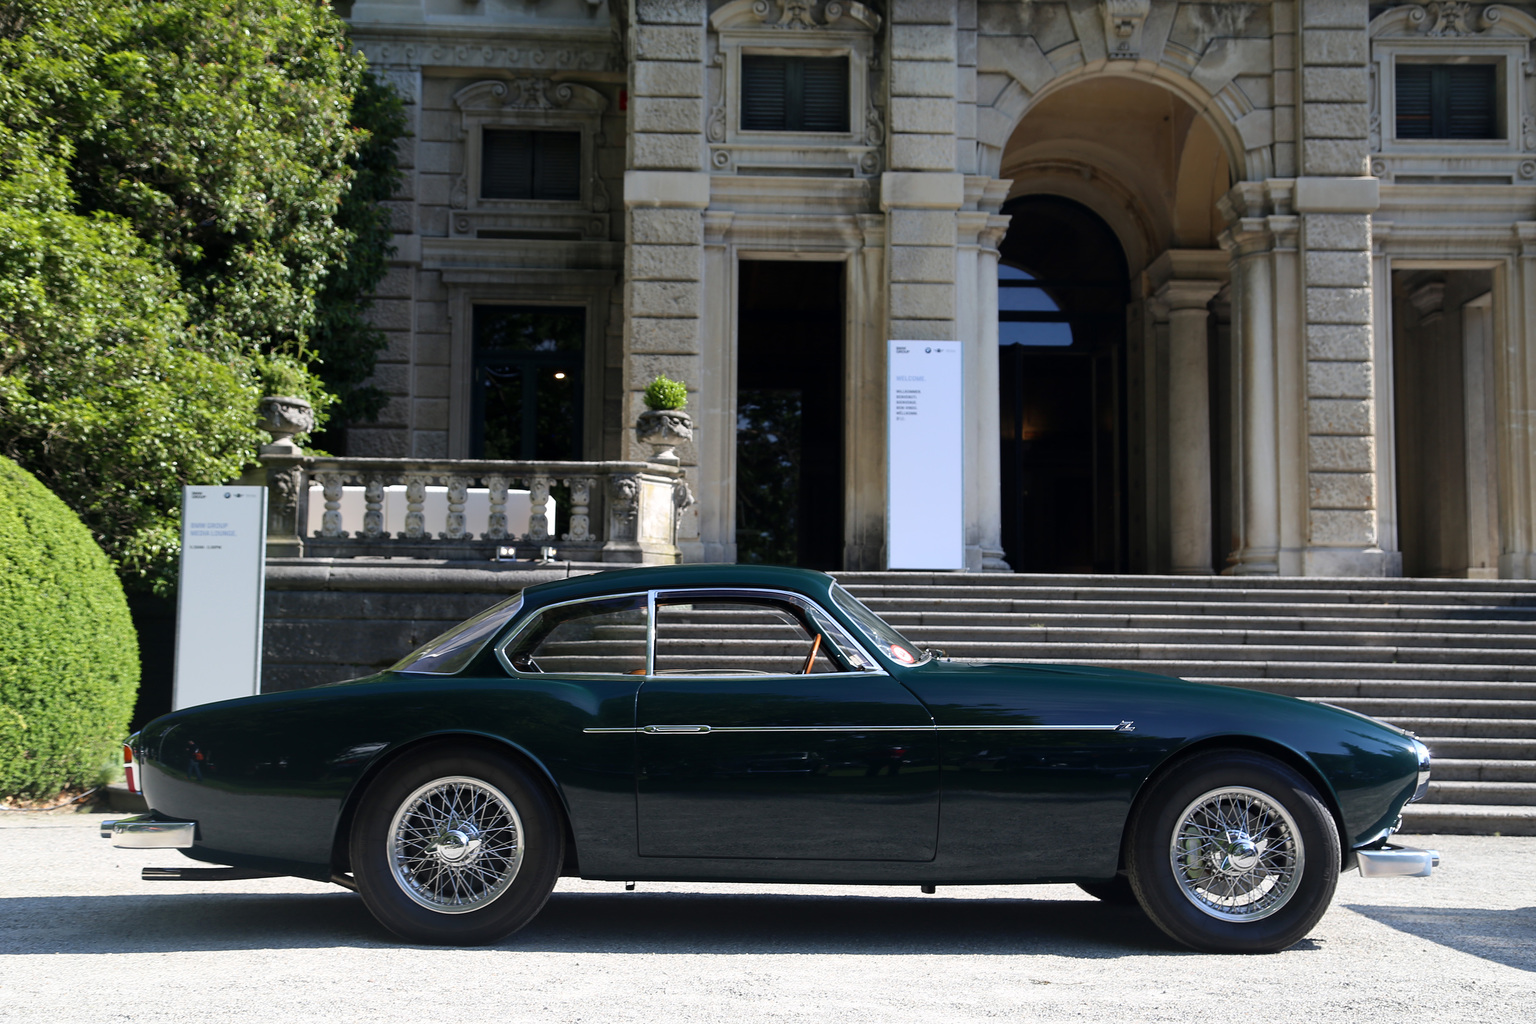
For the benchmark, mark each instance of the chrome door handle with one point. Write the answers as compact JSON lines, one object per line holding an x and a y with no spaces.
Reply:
{"x":668,"y":730}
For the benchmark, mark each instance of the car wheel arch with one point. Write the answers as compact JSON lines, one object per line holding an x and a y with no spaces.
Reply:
{"x":1251,"y":744}
{"x":459,"y":740}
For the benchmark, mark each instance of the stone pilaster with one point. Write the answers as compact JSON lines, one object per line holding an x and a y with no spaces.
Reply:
{"x":921,"y":193}
{"x":666,"y":190}
{"x":1334,"y":201}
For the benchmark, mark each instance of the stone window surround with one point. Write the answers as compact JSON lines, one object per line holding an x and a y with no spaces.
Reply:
{"x":529,"y":103}
{"x":1396,"y":37}
{"x":585,"y":290}
{"x":737,"y":29}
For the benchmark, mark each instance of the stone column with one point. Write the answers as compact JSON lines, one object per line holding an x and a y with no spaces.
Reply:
{"x":666,"y":190}
{"x":980,"y":231}
{"x":1258,"y":455}
{"x":1516,"y":379}
{"x":1189,"y":424}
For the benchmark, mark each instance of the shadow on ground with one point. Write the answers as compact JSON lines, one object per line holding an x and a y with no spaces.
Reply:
{"x":1506,"y":937}
{"x":675,"y":923}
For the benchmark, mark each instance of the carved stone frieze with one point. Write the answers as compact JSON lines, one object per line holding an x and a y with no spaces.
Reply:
{"x":1452,"y":19}
{"x":533,"y":58}
{"x":528,"y":93}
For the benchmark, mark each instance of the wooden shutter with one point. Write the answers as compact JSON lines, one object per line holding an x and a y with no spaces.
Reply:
{"x":506,"y":164}
{"x":1415,"y":115}
{"x":517,"y":164}
{"x":824,"y":94}
{"x":764,"y":93}
{"x":557,"y":165}
{"x":1469,"y":101}
{"x":1447,"y":101}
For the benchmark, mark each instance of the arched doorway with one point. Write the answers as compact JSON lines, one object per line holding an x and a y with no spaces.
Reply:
{"x":1062,"y":295}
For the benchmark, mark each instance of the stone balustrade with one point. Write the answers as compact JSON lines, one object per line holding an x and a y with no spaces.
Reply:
{"x":470,"y":509}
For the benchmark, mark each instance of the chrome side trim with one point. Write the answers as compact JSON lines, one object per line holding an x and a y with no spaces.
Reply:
{"x":658,"y":730}
{"x":1121,"y":727}
{"x":1397,"y":862}
{"x":143,"y":833}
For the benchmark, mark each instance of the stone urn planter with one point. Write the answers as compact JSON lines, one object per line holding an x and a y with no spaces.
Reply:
{"x":662,"y":429}
{"x":283,"y":417}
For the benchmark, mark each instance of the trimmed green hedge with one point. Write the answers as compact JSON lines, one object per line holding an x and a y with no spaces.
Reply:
{"x":69,"y":657}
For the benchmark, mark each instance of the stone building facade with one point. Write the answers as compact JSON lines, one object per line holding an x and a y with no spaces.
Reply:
{"x":1241,"y":286}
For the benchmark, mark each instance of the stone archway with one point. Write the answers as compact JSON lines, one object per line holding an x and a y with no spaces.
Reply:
{"x":1148,"y":166}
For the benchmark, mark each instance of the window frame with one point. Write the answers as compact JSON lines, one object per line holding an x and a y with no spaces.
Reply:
{"x":1500,"y":116}
{"x":842,"y":639}
{"x":581,"y":173}
{"x":741,"y":113}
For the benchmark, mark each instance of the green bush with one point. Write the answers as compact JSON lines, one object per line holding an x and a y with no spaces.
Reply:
{"x":69,"y":657}
{"x":663,"y":393}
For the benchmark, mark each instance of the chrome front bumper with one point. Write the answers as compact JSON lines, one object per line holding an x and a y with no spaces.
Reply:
{"x":141,"y":832}
{"x":1397,"y":862}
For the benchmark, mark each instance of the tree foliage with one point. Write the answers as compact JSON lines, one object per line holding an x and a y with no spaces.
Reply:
{"x":190,"y":216}
{"x":69,"y":659}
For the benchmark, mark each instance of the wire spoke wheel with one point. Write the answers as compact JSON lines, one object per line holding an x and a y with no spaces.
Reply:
{"x":1237,"y":854}
{"x":455,"y":844}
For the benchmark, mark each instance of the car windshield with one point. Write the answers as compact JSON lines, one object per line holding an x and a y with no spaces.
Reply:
{"x":890,"y":643}
{"x":456,"y":648}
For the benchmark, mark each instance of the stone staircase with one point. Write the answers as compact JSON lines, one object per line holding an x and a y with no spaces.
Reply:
{"x":1453,"y":661}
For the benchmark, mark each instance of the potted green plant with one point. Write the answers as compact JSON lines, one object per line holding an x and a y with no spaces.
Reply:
{"x":664,"y":423}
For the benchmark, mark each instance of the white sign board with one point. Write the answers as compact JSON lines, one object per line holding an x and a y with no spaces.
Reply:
{"x":925,"y":457}
{"x":219,"y":600}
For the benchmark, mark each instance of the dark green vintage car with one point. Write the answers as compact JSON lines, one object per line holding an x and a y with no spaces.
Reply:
{"x":736,"y":723}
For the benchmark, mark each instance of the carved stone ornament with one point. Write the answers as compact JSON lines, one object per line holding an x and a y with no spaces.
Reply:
{"x":282,"y":417}
{"x":662,"y":429}
{"x":623,"y":506}
{"x":795,"y":15}
{"x":1123,"y":22}
{"x":1451,"y":19}
{"x":530,"y":93}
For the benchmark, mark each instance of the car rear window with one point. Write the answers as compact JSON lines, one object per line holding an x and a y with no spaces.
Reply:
{"x":455,"y":649}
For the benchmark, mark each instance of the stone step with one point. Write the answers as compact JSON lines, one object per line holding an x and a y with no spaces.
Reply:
{"x":1505,"y":794}
{"x":1157,"y":604}
{"x":1281,"y":620}
{"x":1342,"y":688}
{"x":1466,"y":728}
{"x":1456,"y":769}
{"x":1480,"y":748}
{"x":1389,"y":708}
{"x":1394,"y":587}
{"x":955,"y":635}
{"x":1259,"y":670}
{"x":1522,"y":597}
{"x":1468,"y":820}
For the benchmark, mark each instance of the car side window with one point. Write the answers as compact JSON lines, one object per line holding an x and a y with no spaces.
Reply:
{"x":603,"y":637}
{"x":710,"y":636}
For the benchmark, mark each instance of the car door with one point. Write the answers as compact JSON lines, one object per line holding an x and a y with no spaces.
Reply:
{"x":763,"y":731}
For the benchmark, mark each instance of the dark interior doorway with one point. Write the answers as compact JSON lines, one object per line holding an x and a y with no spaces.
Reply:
{"x":527,"y":395}
{"x":789,"y":414}
{"x":1062,"y":295}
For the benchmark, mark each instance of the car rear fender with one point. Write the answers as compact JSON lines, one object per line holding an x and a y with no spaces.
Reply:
{"x":1257,"y":745}
{"x":340,"y":858}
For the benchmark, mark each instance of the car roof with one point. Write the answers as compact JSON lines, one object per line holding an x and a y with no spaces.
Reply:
{"x":655,"y":577}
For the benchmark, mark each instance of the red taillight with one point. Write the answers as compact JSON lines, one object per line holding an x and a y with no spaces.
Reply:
{"x":128,"y":772}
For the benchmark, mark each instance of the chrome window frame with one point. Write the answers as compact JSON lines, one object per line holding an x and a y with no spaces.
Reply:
{"x":821,"y":617}
{"x":825,"y":621}
{"x":521,"y":630}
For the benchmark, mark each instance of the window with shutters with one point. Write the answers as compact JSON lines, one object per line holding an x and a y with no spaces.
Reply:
{"x":526,"y":164}
{"x":1447,"y":101}
{"x":794,"y":94}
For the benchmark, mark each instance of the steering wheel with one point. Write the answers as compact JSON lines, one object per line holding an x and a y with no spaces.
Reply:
{"x":810,"y":659}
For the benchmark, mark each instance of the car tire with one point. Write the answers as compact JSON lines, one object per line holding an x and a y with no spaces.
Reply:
{"x":1116,"y":891}
{"x":456,"y":847}
{"x":1233,"y":852}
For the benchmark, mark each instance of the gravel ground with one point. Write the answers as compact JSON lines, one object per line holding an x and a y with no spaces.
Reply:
{"x":83,"y":939}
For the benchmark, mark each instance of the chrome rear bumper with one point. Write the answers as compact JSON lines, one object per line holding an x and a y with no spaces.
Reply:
{"x":141,"y":832}
{"x":1397,"y":862}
